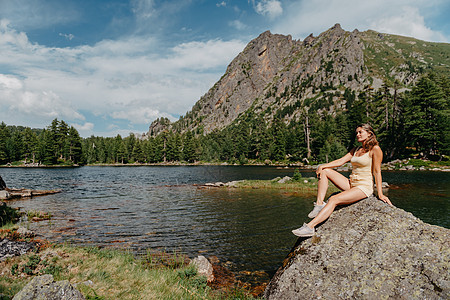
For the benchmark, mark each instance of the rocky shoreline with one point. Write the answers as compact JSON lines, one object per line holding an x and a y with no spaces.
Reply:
{"x":21,"y":242}
{"x":395,"y":165}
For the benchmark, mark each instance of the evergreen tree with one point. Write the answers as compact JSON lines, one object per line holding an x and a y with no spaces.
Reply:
{"x":122,"y":150}
{"x":427,"y":116}
{"x":189,"y":147}
{"x":138,"y":152}
{"x":74,"y":142}
{"x":278,"y":145}
{"x":4,"y":136}
{"x":47,"y":147}
{"x":29,"y":144}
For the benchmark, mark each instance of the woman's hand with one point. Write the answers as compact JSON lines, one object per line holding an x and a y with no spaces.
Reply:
{"x":385,"y":199}
{"x":318,"y":171}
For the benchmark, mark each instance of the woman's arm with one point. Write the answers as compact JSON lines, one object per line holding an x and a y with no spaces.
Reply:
{"x":377,"y":157}
{"x":336,"y":163}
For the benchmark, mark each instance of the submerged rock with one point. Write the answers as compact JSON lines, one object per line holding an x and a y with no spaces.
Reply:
{"x":45,"y":287}
{"x":367,"y":250}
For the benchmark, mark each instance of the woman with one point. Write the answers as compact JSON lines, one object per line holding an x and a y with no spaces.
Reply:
{"x":366,"y":163}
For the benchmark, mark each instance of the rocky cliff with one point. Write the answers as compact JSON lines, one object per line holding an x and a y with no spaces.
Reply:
{"x":367,"y":250}
{"x":275,"y":72}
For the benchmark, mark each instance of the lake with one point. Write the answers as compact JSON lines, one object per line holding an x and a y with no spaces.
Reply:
{"x":159,"y":208}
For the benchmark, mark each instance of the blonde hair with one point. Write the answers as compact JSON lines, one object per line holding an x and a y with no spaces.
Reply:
{"x":371,"y":141}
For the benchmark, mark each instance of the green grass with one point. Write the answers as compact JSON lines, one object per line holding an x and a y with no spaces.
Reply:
{"x":111,"y":274}
{"x":38,"y":214}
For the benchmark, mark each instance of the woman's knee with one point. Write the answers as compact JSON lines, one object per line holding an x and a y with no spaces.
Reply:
{"x":325,"y":173}
{"x":334,"y":200}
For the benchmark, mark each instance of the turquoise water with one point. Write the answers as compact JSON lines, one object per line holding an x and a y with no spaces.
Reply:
{"x":160,"y":208}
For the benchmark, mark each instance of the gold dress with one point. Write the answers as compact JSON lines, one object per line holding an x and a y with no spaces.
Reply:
{"x":361,"y":176}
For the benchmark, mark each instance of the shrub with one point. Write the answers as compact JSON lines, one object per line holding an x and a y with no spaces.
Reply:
{"x":8,"y":214}
{"x":297,"y":175}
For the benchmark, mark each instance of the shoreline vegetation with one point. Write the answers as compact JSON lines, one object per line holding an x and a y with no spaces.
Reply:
{"x":93,"y":271}
{"x":159,"y":275}
{"x":154,"y":275}
{"x":395,"y":165}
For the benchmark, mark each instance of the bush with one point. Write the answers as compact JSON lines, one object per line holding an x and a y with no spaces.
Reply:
{"x":8,"y":214}
{"x":297,"y":175}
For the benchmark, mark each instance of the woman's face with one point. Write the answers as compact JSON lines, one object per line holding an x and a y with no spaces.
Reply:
{"x":361,"y":134}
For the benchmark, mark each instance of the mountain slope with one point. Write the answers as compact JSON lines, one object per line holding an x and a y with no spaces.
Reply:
{"x":275,"y":75}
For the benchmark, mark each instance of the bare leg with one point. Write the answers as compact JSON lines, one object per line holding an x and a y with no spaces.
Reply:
{"x":346,"y":197}
{"x":336,"y":178}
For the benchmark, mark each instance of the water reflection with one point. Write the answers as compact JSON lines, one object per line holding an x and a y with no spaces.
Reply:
{"x":139,"y":208}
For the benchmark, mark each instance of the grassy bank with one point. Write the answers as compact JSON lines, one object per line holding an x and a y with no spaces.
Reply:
{"x":110,"y":273}
{"x":303,"y":185}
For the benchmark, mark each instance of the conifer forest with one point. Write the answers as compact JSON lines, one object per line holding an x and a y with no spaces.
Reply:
{"x":409,"y":123}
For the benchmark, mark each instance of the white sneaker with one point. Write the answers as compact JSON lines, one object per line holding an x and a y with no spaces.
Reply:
{"x":304,"y":231}
{"x":316,"y":210}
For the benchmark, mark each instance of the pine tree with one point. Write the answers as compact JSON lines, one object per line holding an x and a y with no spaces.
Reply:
{"x":278,"y":145}
{"x":189,"y":147}
{"x":30,"y":144}
{"x":427,"y":116}
{"x":138,"y":152}
{"x":74,"y":142}
{"x":4,"y":136}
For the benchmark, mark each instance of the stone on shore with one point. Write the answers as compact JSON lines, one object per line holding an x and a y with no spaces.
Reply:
{"x":45,"y":287}
{"x":4,"y":195}
{"x":204,"y":267}
{"x":284,"y":179}
{"x":367,"y":250}
{"x":14,"y":248}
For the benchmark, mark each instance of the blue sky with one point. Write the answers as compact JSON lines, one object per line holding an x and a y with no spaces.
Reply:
{"x":112,"y":67}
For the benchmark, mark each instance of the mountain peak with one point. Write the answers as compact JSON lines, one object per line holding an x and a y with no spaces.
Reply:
{"x":274,"y":73}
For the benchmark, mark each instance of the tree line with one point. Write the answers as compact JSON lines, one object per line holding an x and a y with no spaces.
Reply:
{"x":57,"y":144}
{"x":410,"y":122}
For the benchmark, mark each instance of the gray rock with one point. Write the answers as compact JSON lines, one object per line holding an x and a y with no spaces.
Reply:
{"x":45,"y":288}
{"x":284,"y":179}
{"x":13,"y":248}
{"x":233,"y":183}
{"x":25,"y":232}
{"x":204,"y":267}
{"x":368,"y":250}
{"x":4,"y":195}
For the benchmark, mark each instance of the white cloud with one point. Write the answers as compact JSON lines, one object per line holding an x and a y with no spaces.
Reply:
{"x":407,"y":22}
{"x":398,"y":17}
{"x":238,"y":25}
{"x":86,"y":127}
{"x":205,"y":55}
{"x":223,"y":4}
{"x":17,"y":100}
{"x":270,"y":8}
{"x":143,"y":9}
{"x":138,"y":115}
{"x":38,"y":13}
{"x":128,"y":79}
{"x":67,"y":36}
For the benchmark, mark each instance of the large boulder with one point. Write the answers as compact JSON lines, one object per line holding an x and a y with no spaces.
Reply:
{"x":367,"y":250}
{"x":45,"y":287}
